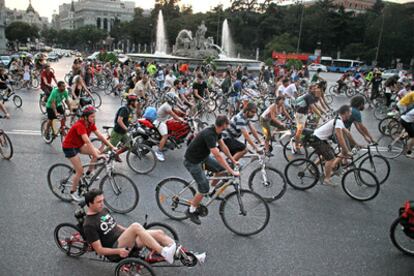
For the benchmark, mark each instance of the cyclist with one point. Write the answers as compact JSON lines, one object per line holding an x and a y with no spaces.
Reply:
{"x":200,"y":89}
{"x":54,"y":105}
{"x":46,"y":78}
{"x":4,"y":110}
{"x":77,"y":141}
{"x":407,"y":121}
{"x":4,"y":78}
{"x":288,"y":91}
{"x":108,"y":238}
{"x":270,"y":118}
{"x":406,"y":102}
{"x":376,"y":83}
{"x":165,"y":112}
{"x":141,"y":89}
{"x":238,"y":127}
{"x":342,"y":82}
{"x":316,"y":78}
{"x":197,"y":156}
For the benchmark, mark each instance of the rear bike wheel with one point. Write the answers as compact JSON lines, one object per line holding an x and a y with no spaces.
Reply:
{"x":121,"y":193}
{"x":96,"y":99}
{"x":133,"y":266}
{"x":328,"y":98}
{"x":69,"y":239}
{"x":350,"y":92}
{"x":268,"y":182}
{"x":47,"y":137}
{"x":42,"y":105}
{"x":380,"y":112}
{"x":59,"y":180}
{"x":302,"y":174}
{"x":141,"y":159}
{"x":399,"y":237}
{"x":6,"y":146}
{"x":34,"y":83}
{"x":173,"y":196}
{"x":168,"y":230}
{"x":360,"y":184}
{"x":17,"y":100}
{"x":390,"y":148}
{"x":244,"y":212}
{"x":377,"y":164}
{"x":386,"y":124}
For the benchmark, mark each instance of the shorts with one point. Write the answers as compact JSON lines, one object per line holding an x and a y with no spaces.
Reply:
{"x":197,"y":172}
{"x":51,"y":114}
{"x":47,"y":90}
{"x":119,"y":139}
{"x":323,"y":149}
{"x":162,"y":127}
{"x":71,"y":152}
{"x":266,"y":126}
{"x":233,"y":100}
{"x":409,"y":127}
{"x":234,"y":145}
{"x":301,"y":119}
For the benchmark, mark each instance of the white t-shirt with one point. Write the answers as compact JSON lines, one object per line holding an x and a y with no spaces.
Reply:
{"x":409,"y":116}
{"x":163,"y":112}
{"x":169,"y":81}
{"x":325,"y":131}
{"x":289,"y":91}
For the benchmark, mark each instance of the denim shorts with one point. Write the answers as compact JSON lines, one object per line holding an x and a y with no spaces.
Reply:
{"x":199,"y":175}
{"x":69,"y":153}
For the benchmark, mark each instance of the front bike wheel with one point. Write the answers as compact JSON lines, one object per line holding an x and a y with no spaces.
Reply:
{"x":6,"y":146}
{"x":42,"y":105}
{"x":96,"y":99}
{"x":390,"y":148}
{"x":34,"y":83}
{"x":360,"y":184}
{"x":399,"y":237}
{"x":69,"y":239}
{"x":17,"y":100}
{"x":291,"y":154}
{"x":141,"y":159}
{"x":59,"y":179}
{"x":302,"y":174}
{"x":133,"y":266}
{"x":244,"y":212}
{"x":377,"y":164}
{"x":173,"y":196}
{"x":268,"y":182}
{"x":121,"y":193}
{"x":47,"y":137}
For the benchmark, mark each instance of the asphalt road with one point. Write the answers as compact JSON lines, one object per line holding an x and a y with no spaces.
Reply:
{"x":318,"y":232}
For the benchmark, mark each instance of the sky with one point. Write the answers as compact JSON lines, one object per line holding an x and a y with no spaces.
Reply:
{"x":47,"y":7}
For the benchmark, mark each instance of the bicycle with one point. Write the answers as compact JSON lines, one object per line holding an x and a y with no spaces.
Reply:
{"x":402,"y":229}
{"x":363,"y":181}
{"x":113,"y":184}
{"x":6,"y":146}
{"x":235,"y":205}
{"x":5,"y":96}
{"x":54,"y":129}
{"x":394,"y":145}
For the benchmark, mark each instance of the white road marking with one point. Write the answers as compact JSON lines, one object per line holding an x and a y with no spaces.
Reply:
{"x":25,"y":132}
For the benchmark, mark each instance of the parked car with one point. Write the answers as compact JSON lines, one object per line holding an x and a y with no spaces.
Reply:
{"x":389,"y":73}
{"x":316,"y":66}
{"x":4,"y":61}
{"x":53,"y":57}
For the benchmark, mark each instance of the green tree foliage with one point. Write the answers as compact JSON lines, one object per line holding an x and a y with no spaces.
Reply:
{"x":20,"y":31}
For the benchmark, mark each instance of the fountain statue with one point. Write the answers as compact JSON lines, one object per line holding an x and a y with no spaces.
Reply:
{"x":198,"y":47}
{"x":226,"y":40}
{"x":161,"y":40}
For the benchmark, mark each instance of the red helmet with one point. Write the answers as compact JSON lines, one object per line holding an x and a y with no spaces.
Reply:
{"x":132,"y":97}
{"x":88,"y":110}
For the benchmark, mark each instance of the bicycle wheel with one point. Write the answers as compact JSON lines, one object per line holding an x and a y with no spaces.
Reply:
{"x":42,"y":106}
{"x":350,"y":92}
{"x":268,"y":182}
{"x":59,"y":179}
{"x":173,"y":196}
{"x":133,"y":266}
{"x":168,"y":230}
{"x":360,"y":184}
{"x":47,"y":137}
{"x":401,"y":238}
{"x":291,"y":155}
{"x":211,"y":105}
{"x":390,"y":148}
{"x":244,"y":212}
{"x":17,"y":100}
{"x":333,"y":89}
{"x":386,"y":124}
{"x":302,"y":174}
{"x":34,"y":83}
{"x":378,"y":165}
{"x":69,"y":239}
{"x":121,"y":193}
{"x":96,"y":99}
{"x":328,"y":98}
{"x":141,"y":159}
{"x":380,"y":112}
{"x":6,"y":146}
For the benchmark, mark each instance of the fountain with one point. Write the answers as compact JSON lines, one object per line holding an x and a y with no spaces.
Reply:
{"x":161,"y":40}
{"x":226,"y":40}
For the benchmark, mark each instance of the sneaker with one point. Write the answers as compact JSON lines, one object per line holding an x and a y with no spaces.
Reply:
{"x":117,"y":158}
{"x":76,"y":197}
{"x":159,"y":155}
{"x":411,"y":155}
{"x":168,"y":253}
{"x":193,"y":217}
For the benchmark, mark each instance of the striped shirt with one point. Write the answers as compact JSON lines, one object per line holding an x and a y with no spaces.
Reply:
{"x":237,"y":123}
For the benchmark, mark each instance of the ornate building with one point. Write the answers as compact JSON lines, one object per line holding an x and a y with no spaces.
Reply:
{"x":2,"y":27}
{"x":30,"y":16}
{"x":350,"y":5}
{"x":100,"y":13}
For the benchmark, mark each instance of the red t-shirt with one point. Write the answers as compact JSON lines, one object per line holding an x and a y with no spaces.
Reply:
{"x":48,"y":76}
{"x":74,"y":137}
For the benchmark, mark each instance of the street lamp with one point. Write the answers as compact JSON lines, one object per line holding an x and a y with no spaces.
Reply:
{"x":380,"y":36}
{"x":300,"y":26}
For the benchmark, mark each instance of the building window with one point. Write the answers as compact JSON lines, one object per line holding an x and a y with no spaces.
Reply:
{"x":105,"y":24}
{"x":98,"y":22}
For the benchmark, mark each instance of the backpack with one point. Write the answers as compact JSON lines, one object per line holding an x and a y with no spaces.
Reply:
{"x":150,"y":113}
{"x":407,"y":218}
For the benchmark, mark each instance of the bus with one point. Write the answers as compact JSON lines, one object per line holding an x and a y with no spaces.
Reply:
{"x":343,"y":65}
{"x":327,"y":61}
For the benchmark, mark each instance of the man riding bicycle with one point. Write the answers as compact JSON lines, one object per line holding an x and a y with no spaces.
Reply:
{"x":108,"y":238}
{"x":197,"y":158}
{"x":46,"y":78}
{"x":54,"y":105}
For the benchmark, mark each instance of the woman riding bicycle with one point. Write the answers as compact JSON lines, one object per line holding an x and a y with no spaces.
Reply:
{"x":77,"y":141}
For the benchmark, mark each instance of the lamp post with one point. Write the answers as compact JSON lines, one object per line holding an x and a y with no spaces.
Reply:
{"x":380,"y":36}
{"x":300,"y":26}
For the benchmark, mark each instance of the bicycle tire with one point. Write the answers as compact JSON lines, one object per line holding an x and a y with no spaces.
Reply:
{"x":395,"y":241}
{"x":42,"y":106}
{"x":258,"y":198}
{"x":266,"y":193}
{"x":328,"y":98}
{"x":96,"y":99}
{"x":350,"y":92}
{"x":385,"y":125}
{"x":385,"y":170}
{"x":17,"y":100}
{"x":380,"y":112}
{"x":160,"y":197}
{"x":373,"y":186}
{"x":304,"y":168}
{"x":130,"y":264}
{"x":141,"y":152}
{"x":118,"y":191}
{"x":76,"y":236}
{"x":34,"y":83}
{"x":290,"y":156}
{"x":4,"y":143}
{"x":389,"y":147}
{"x":163,"y":226}
{"x":64,"y":184}
{"x":42,"y":129}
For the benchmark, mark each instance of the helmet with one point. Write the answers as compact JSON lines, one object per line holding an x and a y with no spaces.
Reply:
{"x":131,"y":98}
{"x":171,"y":98}
{"x":88,"y":110}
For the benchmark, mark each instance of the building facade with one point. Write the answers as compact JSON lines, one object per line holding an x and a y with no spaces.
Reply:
{"x":2,"y":27}
{"x":100,"y":13}
{"x":357,"y":6}
{"x":30,"y":16}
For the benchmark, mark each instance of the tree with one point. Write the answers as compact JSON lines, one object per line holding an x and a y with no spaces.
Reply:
{"x":21,"y":32}
{"x":282,"y":43}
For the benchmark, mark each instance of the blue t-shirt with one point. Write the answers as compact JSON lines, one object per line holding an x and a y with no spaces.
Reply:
{"x":355,"y":117}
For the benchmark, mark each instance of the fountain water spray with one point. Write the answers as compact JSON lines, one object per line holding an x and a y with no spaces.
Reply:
{"x":226,"y":40}
{"x":161,"y":40}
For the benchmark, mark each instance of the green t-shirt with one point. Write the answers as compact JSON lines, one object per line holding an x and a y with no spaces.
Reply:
{"x":152,"y":69}
{"x":57,"y":97}
{"x":315,"y":77}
